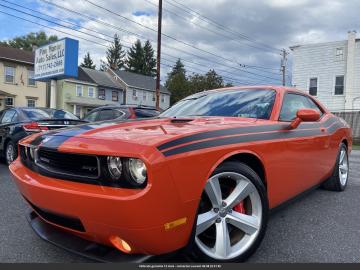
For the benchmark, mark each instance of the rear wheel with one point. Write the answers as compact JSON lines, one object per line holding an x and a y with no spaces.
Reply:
{"x":339,"y":178}
{"x":232,"y":215}
{"x":10,"y":152}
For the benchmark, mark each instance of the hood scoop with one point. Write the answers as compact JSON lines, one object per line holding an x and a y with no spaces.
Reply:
{"x":181,"y":120}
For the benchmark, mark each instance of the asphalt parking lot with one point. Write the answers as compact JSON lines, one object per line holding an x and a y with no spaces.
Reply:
{"x":320,"y":227}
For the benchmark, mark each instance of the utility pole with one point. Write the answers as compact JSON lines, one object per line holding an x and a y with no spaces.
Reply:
{"x":284,"y":55}
{"x":158,"y":57}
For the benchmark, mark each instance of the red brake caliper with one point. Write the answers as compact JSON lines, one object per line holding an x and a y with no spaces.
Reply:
{"x":240,"y":208}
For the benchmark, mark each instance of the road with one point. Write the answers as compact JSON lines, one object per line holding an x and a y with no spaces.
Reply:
{"x":320,"y":227}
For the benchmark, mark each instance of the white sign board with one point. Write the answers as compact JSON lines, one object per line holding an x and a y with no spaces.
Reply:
{"x":56,"y":60}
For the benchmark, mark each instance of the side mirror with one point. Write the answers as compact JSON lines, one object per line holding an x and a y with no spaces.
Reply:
{"x":305,"y":115}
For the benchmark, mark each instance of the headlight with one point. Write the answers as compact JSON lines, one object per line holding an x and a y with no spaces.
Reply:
{"x":115,"y":167}
{"x":138,"y":171}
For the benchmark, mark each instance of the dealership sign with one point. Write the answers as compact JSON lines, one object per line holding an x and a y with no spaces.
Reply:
{"x":57,"y":60}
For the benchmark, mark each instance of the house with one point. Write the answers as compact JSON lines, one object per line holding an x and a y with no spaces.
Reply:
{"x":140,"y":89}
{"x":91,"y":89}
{"x":17,"y":84}
{"x":330,"y":71}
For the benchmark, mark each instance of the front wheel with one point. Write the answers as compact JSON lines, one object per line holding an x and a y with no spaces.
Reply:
{"x":339,"y":178}
{"x":232,"y":215}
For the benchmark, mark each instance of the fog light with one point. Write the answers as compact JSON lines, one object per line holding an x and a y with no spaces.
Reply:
{"x":120,"y":244}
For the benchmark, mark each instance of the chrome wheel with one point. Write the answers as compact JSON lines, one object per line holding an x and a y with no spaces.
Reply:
{"x":343,"y":167}
{"x":10,"y":153}
{"x":230,"y":216}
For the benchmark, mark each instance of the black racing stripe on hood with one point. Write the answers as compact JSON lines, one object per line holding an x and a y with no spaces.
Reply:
{"x":239,"y":130}
{"x":54,"y":139}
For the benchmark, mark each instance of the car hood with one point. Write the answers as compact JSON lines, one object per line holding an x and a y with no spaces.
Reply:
{"x":152,"y":131}
{"x":139,"y":137}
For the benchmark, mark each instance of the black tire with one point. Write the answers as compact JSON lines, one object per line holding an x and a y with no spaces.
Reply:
{"x":334,"y":183}
{"x":9,"y":145}
{"x":195,"y":253}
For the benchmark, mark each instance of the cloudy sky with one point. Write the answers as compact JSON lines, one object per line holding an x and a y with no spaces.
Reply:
{"x":240,"y":39}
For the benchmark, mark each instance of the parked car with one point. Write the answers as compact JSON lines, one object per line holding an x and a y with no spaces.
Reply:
{"x":201,"y":178}
{"x":17,"y":123}
{"x":120,"y":112}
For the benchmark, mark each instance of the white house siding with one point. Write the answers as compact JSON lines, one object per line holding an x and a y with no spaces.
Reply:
{"x":319,"y":61}
{"x":148,"y":101}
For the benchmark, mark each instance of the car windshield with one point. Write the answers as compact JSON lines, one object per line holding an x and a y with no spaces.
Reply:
{"x":247,"y":103}
{"x":39,"y":114}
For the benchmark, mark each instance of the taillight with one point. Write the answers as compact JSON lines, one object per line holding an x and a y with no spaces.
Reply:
{"x":34,"y":127}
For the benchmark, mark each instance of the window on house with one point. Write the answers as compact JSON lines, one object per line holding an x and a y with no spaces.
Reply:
{"x":91,"y":92}
{"x":10,"y":74}
{"x":162,"y":98}
{"x":101,"y":94}
{"x":9,"y":101}
{"x":313,"y":86}
{"x":115,"y":96}
{"x":31,"y":76}
{"x":79,"y":91}
{"x":154,"y":97}
{"x":340,"y":54}
{"x":31,"y":103}
{"x":339,"y":85}
{"x":144,"y":95}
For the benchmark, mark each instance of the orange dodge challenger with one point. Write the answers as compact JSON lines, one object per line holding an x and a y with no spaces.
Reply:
{"x":200,"y":178}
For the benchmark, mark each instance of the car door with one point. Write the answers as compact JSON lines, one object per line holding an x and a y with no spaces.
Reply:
{"x":302,"y":159}
{"x":5,"y":125}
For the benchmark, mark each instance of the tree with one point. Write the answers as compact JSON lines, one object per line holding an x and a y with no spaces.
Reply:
{"x":135,"y":60}
{"x":177,"y":83}
{"x":27,"y":42}
{"x":149,"y":68}
{"x":211,"y":80}
{"x":115,"y":54}
{"x":88,"y":62}
{"x":177,"y":69}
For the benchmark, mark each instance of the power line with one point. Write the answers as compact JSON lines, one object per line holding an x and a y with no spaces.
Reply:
{"x":166,"y":35}
{"x":205,"y":28}
{"x":94,"y":42}
{"x":213,"y":22}
{"x":168,"y":46}
{"x":82,"y":31}
{"x":263,"y":69}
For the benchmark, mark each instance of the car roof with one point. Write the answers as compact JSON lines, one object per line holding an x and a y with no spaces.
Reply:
{"x":124,"y":107}
{"x":255,"y":87}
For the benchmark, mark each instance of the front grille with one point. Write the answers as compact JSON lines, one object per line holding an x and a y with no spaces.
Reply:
{"x":68,"y":164}
{"x":61,"y":220}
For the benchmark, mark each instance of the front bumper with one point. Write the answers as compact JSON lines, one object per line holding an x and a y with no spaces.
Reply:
{"x":74,"y":244}
{"x":136,"y":216}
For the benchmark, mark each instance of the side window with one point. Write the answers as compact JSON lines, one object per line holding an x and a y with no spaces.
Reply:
{"x":143,"y":113}
{"x":91,"y":117}
{"x":294,"y":102}
{"x":119,"y":114}
{"x":313,"y":105}
{"x":8,"y":117}
{"x":106,"y":115}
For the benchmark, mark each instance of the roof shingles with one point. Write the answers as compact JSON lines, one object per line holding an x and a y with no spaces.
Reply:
{"x":139,"y":81}
{"x":16,"y":55}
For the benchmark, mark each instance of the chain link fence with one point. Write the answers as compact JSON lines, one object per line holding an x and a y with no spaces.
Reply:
{"x":353,"y":119}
